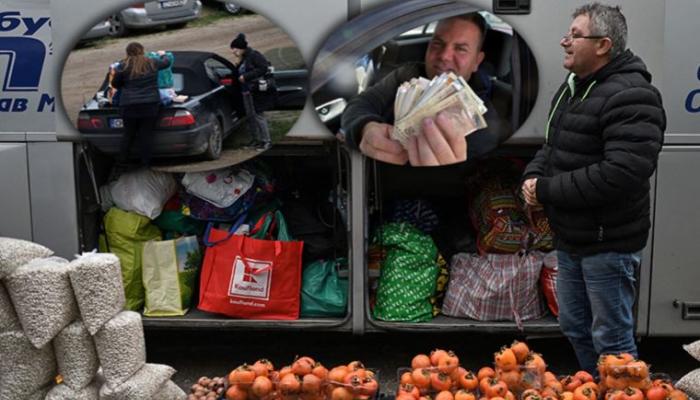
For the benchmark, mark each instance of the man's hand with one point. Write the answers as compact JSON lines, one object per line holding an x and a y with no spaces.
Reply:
{"x":377,"y":143}
{"x":440,"y":143}
{"x":241,"y":79}
{"x":530,"y":192}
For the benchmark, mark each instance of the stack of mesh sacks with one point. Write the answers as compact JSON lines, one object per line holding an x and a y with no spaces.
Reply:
{"x":690,"y":382}
{"x":67,"y":319}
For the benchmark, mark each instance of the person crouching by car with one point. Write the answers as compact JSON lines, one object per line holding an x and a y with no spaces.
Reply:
{"x":257,"y":89}
{"x":136,"y":78}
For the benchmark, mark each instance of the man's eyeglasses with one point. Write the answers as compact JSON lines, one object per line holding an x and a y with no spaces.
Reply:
{"x":571,"y":36}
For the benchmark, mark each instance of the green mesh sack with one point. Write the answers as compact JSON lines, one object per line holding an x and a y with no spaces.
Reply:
{"x":126,"y":233}
{"x":408,"y":276}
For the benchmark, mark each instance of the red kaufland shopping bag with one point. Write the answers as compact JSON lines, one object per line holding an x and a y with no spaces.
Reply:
{"x":252,"y":278}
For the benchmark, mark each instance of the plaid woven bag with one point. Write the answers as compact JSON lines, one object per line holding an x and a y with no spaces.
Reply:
{"x":495,"y":287}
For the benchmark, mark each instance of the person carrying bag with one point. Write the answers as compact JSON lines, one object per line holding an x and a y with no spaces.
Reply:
{"x":255,"y":276}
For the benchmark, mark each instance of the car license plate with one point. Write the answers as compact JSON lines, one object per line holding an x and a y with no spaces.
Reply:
{"x":116,"y":123}
{"x":172,"y":3}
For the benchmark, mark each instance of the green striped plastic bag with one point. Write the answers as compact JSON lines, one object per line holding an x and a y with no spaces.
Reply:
{"x":408,"y":276}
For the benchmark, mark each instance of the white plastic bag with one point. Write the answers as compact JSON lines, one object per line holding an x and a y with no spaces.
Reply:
{"x":144,"y":192}
{"x":221,"y":187}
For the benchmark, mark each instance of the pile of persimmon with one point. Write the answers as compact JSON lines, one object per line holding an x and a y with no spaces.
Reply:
{"x":304,"y":379}
{"x":620,"y":371}
{"x":256,"y":381}
{"x":438,"y":375}
{"x":519,"y":368}
{"x":351,"y":381}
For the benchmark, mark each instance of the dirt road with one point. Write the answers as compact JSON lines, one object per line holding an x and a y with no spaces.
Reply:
{"x":85,"y":68}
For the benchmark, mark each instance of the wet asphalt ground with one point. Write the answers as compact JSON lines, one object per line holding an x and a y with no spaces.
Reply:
{"x":215,"y":353}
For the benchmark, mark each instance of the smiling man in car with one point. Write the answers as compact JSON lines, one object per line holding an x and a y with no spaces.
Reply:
{"x":456,"y":46}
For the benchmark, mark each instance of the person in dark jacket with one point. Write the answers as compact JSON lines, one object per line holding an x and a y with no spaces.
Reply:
{"x":257,"y":89}
{"x":456,"y":46}
{"x":602,"y":140}
{"x":136,"y":77}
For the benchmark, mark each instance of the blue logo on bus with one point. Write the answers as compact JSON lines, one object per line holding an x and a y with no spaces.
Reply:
{"x":24,"y":57}
{"x":26,"y":60}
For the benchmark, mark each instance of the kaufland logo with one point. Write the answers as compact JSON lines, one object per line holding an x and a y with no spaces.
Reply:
{"x":250,"y":278}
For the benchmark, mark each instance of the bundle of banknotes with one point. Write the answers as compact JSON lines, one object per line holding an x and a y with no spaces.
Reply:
{"x":421,"y":98}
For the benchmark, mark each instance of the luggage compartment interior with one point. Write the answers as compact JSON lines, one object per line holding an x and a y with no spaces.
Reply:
{"x":444,"y":190}
{"x":311,"y":181}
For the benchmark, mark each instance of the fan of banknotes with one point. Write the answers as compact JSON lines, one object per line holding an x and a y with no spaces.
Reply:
{"x":421,"y":98}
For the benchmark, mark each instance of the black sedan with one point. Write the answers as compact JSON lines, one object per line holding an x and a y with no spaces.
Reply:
{"x":198,"y":125}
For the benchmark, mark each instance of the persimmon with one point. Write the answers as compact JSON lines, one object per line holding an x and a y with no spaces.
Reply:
{"x":421,"y":361}
{"x":585,"y":393}
{"x":638,"y":369}
{"x":457,"y":373}
{"x":555,"y":385}
{"x":549,"y":376}
{"x":535,"y":360}
{"x":570,"y":383}
{"x":320,"y":371}
{"x":242,"y":376}
{"x":469,"y":381}
{"x":448,"y":363}
{"x":337,"y":374}
{"x":406,"y":378}
{"x":341,"y":393}
{"x":440,"y":381}
{"x":549,"y":392}
{"x":496,"y":388}
{"x":462,"y":394}
{"x":615,"y":394}
{"x":657,"y":393}
{"x":509,"y":396}
{"x":263,"y":367}
{"x":529,"y":392}
{"x":302,"y":366}
{"x":355,"y":365}
{"x":550,"y":397}
{"x":583,"y":376}
{"x":566,"y":396}
{"x":359,"y":375}
{"x":496,"y":398}
{"x":483,"y":385}
{"x":235,"y":392}
{"x":421,"y":378}
{"x":677,"y":394}
{"x":436,"y":355}
{"x":485,"y":372}
{"x":641,"y":384}
{"x":631,"y":393}
{"x":370,"y":386}
{"x":444,"y":395}
{"x":591,"y":385}
{"x":262,"y":386}
{"x":405,"y":396}
{"x":505,"y":359}
{"x":520,"y":349}
{"x":286,"y":370}
{"x":290,"y":384}
{"x":511,"y":378}
{"x":612,"y":382}
{"x":426,"y":397}
{"x":409,"y":389}
{"x":311,"y":383}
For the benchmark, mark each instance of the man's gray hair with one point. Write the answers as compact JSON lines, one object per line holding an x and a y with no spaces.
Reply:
{"x":606,"y":21}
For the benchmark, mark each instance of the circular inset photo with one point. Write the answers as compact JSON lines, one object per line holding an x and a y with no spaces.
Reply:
{"x":184,"y":86}
{"x":424,"y":84}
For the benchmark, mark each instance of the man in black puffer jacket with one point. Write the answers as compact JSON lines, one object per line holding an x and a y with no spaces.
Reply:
{"x":603,"y":136}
